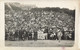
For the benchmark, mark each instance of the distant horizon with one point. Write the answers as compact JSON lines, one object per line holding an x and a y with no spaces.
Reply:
{"x":61,"y":4}
{"x":71,"y":5}
{"x":40,"y":7}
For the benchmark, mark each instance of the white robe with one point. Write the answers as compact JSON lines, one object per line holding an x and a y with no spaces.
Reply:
{"x":41,"y":35}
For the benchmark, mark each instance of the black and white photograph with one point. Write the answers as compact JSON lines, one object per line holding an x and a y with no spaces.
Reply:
{"x":39,"y":25}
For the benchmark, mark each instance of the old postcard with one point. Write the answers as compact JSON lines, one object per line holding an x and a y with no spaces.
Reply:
{"x":38,"y":24}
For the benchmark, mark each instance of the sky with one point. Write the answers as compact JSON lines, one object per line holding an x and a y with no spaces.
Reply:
{"x":61,"y":4}
{"x":71,"y":4}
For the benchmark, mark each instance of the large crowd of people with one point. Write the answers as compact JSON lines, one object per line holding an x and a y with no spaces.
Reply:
{"x":35,"y":25}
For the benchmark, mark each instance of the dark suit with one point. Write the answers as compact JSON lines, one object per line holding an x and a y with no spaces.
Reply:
{"x":35,"y":35}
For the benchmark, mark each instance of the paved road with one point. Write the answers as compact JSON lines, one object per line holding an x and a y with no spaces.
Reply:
{"x":40,"y":43}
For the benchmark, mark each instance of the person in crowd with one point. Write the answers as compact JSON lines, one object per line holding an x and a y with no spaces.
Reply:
{"x":47,"y":33}
{"x":20,"y":34}
{"x":35,"y":35}
{"x":16,"y":35}
{"x":51,"y":33}
{"x":54,"y":36}
{"x":30,"y":35}
{"x":24,"y":35}
{"x":66,"y":35}
{"x":11,"y":36}
{"x":73,"y":37}
{"x":59,"y":35}
{"x":63,"y":36}
{"x":6,"y":35}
